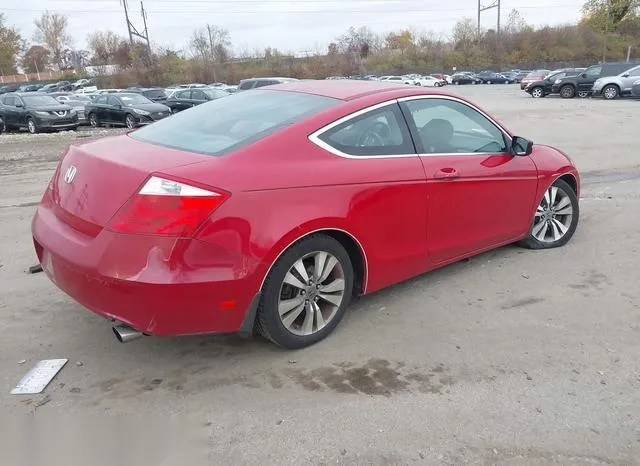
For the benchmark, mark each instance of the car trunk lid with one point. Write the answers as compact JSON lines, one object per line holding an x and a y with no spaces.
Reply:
{"x":94,"y":180}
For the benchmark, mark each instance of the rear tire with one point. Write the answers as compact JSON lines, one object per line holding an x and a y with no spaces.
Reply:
{"x":556,"y":218}
{"x":567,"y":92}
{"x":130,"y":121}
{"x":93,"y":120}
{"x":286,"y":325}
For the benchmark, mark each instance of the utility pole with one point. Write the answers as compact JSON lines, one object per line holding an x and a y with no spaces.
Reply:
{"x":132,"y":29}
{"x":495,"y":4}
{"x":606,"y":33}
{"x":213,"y":58}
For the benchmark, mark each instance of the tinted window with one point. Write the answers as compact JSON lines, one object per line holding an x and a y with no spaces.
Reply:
{"x":594,"y":71}
{"x":134,"y":99}
{"x":265,"y":82}
{"x":215,"y":93}
{"x":101,"y":99}
{"x":246,"y":85}
{"x":634,"y":72}
{"x":154,"y":94}
{"x":182,"y":95}
{"x":223,"y":125}
{"x":111,"y":100}
{"x":40,"y":100}
{"x":9,"y":100}
{"x":448,"y":126}
{"x":198,"y":95}
{"x":378,"y":132}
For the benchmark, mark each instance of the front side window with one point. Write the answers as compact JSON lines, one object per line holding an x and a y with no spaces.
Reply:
{"x":378,"y":132}
{"x":448,"y":127}
{"x":245,"y":85}
{"x":101,"y":99}
{"x":633,"y":71}
{"x":112,"y":101}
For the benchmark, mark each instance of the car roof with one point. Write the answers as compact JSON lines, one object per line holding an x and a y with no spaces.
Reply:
{"x":345,"y":89}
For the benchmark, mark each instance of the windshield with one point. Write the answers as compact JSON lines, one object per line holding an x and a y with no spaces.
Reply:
{"x":134,"y":99}
{"x":39,"y":100}
{"x":154,"y":93}
{"x":222,"y":125}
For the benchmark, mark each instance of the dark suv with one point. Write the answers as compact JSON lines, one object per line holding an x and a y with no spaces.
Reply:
{"x":542,"y":88}
{"x":36,"y":112}
{"x":253,"y":83}
{"x":582,"y":84}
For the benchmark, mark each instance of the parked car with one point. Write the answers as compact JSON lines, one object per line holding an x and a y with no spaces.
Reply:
{"x":36,"y":112}
{"x":635,"y":89}
{"x":188,"y":98}
{"x":394,"y":79}
{"x":537,"y":75}
{"x":79,"y":102}
{"x":29,"y":88}
{"x":490,"y":77}
{"x":49,"y":88}
{"x":254,"y":83}
{"x":81,"y":83}
{"x":190,"y":223}
{"x":429,"y":81}
{"x":582,"y":84}
{"x":465,"y":78}
{"x":542,"y":88}
{"x":155,"y":94}
{"x":612,"y":87}
{"x":9,"y":88}
{"x":127,"y":109}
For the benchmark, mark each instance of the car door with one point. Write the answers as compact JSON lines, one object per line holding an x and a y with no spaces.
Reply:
{"x":8,"y":110}
{"x":628,"y":78}
{"x":198,"y":97}
{"x":388,"y":213}
{"x":480,"y":196}
{"x":585,"y":80}
{"x":182,"y":100}
{"x":99,"y":108}
{"x":115,"y":110}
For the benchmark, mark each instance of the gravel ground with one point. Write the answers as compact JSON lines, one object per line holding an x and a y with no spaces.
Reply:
{"x":514,"y":357}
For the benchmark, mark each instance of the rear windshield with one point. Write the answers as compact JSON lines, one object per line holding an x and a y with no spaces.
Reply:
{"x":223,"y":125}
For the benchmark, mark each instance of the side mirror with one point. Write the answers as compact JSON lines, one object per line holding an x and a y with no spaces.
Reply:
{"x":19,"y":105}
{"x":583,"y":75}
{"x":626,"y":75}
{"x":521,"y":146}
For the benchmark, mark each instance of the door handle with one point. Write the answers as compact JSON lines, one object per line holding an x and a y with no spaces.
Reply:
{"x":446,"y":174}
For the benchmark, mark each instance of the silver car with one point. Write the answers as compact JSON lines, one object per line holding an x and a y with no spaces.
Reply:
{"x":635,"y":89}
{"x":612,"y":87}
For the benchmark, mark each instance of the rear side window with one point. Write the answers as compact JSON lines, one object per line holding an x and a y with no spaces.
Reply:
{"x":594,"y":71}
{"x":379,"y":132}
{"x":223,"y":125}
{"x":183,"y":95}
{"x":9,"y":100}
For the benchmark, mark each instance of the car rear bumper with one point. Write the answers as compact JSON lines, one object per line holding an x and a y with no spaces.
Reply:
{"x":157,"y":285}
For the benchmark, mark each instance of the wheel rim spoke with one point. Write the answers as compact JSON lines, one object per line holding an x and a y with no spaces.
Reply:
{"x":320,"y":323}
{"x":299,"y":266}
{"x":561,"y":226}
{"x":555,"y":231}
{"x":290,"y":279}
{"x":288,"y":304}
{"x":307,"y":325}
{"x":288,"y":320}
{"x":563,"y":207}
{"x":542,"y":231}
{"x":330,"y":265}
{"x":319,"y":262}
{"x":553,"y":192}
{"x":336,"y":285}
{"x":332,"y":298}
{"x":547,"y":199}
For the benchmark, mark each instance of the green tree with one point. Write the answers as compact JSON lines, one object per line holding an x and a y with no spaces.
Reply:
{"x":10,"y":46}
{"x":607,"y":15}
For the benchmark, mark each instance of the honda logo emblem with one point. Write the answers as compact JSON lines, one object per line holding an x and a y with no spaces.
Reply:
{"x":70,"y":174}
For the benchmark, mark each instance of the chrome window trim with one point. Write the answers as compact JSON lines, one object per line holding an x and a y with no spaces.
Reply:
{"x":315,"y":136}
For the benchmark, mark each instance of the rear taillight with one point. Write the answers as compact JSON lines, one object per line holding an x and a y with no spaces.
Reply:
{"x":167,"y":207}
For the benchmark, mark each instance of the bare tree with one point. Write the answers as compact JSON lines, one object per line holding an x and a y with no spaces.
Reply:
{"x":103,"y":46}
{"x":211,"y":44}
{"x":464,"y":33}
{"x":362,"y":40}
{"x":51,"y":30}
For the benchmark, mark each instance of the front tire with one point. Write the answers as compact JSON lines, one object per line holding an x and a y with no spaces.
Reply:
{"x":31,"y":126}
{"x":537,"y":93}
{"x":610,"y":92}
{"x":93,"y":120}
{"x":306,"y":292}
{"x":556,"y":218}
{"x":130,"y":122}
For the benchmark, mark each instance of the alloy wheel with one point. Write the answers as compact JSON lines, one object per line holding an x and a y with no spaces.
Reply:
{"x":583,"y":94}
{"x":567,"y":92}
{"x":553,"y":216}
{"x":610,"y":92}
{"x":31,"y":126}
{"x":130,"y":122}
{"x":311,"y":293}
{"x":536,"y":93}
{"x":93,"y":121}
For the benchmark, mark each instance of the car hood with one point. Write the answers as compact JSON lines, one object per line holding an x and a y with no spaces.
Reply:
{"x":49,"y":108}
{"x":151,"y":107}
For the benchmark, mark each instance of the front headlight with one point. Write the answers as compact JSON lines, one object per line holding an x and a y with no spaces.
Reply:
{"x":557,"y":81}
{"x":42,"y":113}
{"x":140,"y":112}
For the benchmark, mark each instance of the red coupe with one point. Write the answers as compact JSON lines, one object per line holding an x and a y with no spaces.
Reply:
{"x":271,"y":209}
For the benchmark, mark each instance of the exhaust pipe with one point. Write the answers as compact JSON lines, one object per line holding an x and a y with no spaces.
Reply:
{"x":125,"y":334}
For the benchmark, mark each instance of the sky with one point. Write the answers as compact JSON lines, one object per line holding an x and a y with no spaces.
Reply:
{"x":292,"y":26}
